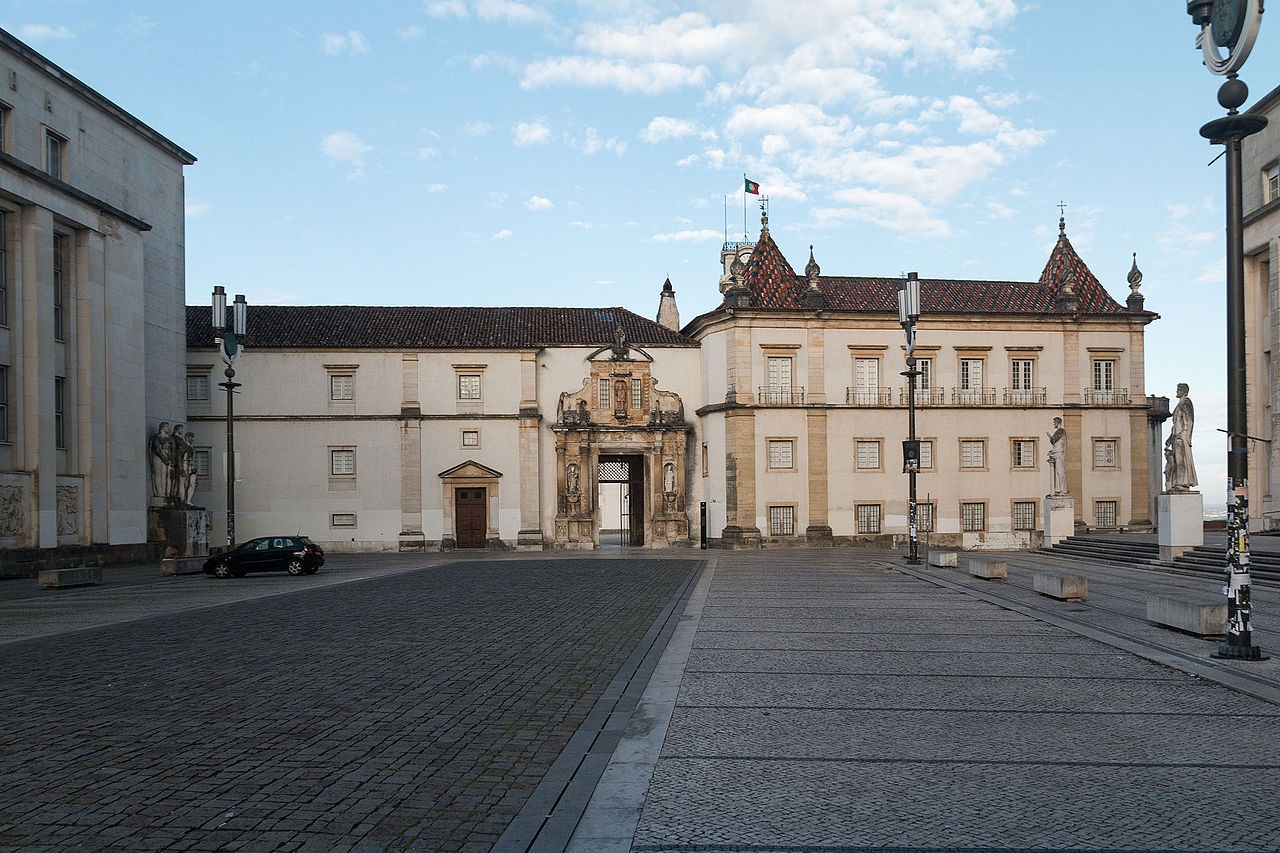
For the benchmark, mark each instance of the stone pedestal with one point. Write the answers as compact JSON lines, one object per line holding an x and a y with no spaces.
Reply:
{"x":1059,"y":518}
{"x":529,"y":540}
{"x":183,"y":530}
{"x":1180,"y":516}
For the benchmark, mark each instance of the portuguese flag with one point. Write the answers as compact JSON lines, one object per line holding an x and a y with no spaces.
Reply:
{"x":752,"y":187}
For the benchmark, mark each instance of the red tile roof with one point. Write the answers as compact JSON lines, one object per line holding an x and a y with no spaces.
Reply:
{"x":773,"y":283}
{"x":376,"y":327}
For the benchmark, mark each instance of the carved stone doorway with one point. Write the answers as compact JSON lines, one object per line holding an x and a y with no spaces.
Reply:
{"x":628,"y":472}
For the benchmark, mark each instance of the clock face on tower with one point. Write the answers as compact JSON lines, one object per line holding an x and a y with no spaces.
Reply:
{"x":1227,"y":20}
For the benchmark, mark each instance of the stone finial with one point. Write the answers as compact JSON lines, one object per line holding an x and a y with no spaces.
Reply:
{"x":737,"y":295}
{"x":1135,"y":299}
{"x":764,"y":214}
{"x":813,"y":299}
{"x":811,"y":269}
{"x":1067,"y":299}
{"x":668,"y":314}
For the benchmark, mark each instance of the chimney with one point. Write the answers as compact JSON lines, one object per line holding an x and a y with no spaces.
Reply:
{"x":668,"y":314}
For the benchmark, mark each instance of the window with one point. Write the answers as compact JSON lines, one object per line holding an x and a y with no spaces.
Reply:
{"x":59,"y":286}
{"x":704,"y":460}
{"x":635,"y":393}
{"x":1104,"y":375}
{"x":603,"y":394}
{"x":1024,"y":515}
{"x":201,"y":458}
{"x":6,"y":123}
{"x":1105,"y":513}
{"x":868,"y":516}
{"x":973,"y":454}
{"x":973,"y":517}
{"x":1023,"y":373}
{"x":1271,"y":182}
{"x":54,"y":151}
{"x":59,"y":412}
{"x":1106,"y":453}
{"x":867,"y":455}
{"x":924,"y":517}
{"x":471,"y":438}
{"x":926,"y":454}
{"x":971,"y":374}
{"x":1024,"y":453}
{"x":866,"y":381}
{"x":779,"y":373}
{"x":197,"y":386}
{"x":468,"y":386}
{"x":342,"y":462}
{"x":782,"y":521}
{"x":925,"y":380}
{"x":4,"y":402}
{"x":780,"y":453}
{"x":342,"y":386}
{"x":4,"y":257}
{"x":342,"y":519}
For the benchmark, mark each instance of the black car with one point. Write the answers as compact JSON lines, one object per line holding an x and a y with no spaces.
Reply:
{"x":296,"y":555}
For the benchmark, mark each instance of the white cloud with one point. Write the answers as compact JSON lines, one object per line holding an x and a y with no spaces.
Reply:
{"x":704,"y":235}
{"x":426,"y":153}
{"x":649,"y":78}
{"x":138,"y":24}
{"x":445,"y":8}
{"x":895,"y":211}
{"x":438,"y":188}
{"x":352,"y":44}
{"x":509,"y":12}
{"x":193,"y":208}
{"x":537,"y":202}
{"x":661,"y":128}
{"x":43,"y":32}
{"x":592,"y":143}
{"x":343,"y":146}
{"x":476,"y":128}
{"x":504,"y":234}
{"x":411,"y":32}
{"x":531,"y":133}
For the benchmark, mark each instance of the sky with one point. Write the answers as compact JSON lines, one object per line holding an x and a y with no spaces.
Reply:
{"x":577,"y":153}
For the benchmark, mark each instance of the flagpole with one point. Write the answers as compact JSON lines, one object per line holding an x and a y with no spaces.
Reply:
{"x":726,"y":219}
{"x":744,"y":207}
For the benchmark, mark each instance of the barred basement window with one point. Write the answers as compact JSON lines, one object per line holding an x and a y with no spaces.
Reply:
{"x":1105,"y":511}
{"x":197,"y":386}
{"x":924,"y":517}
{"x":868,"y":455}
{"x":973,"y":517}
{"x":868,"y":518}
{"x":973,"y":454}
{"x":780,"y":454}
{"x":1024,"y":515}
{"x":1024,"y":453}
{"x":342,"y":519}
{"x":782,"y":521}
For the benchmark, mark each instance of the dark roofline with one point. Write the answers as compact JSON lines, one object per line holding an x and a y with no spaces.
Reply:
{"x":54,"y":72}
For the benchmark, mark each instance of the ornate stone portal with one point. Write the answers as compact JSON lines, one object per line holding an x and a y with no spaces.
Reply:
{"x":620,"y":412}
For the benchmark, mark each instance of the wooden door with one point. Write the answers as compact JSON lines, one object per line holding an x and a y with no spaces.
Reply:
{"x":472,"y":520}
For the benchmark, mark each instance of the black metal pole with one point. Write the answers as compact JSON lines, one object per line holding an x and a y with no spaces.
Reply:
{"x":913,"y":552}
{"x":231,"y":385}
{"x":1228,"y":131}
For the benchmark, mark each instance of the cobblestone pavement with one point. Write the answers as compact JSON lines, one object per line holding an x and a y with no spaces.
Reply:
{"x":412,"y":710}
{"x":832,"y":702}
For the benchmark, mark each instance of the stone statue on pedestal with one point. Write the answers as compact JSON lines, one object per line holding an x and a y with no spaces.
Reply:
{"x":160,"y":452}
{"x":1180,"y":468}
{"x":1058,"y":459}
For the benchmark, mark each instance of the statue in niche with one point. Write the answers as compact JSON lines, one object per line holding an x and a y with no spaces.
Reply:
{"x":180,"y":459}
{"x":621,"y":349}
{"x":571,"y":478}
{"x":1058,"y":459}
{"x":161,"y":458}
{"x":669,"y":478}
{"x":621,"y":395}
{"x":1183,"y":476}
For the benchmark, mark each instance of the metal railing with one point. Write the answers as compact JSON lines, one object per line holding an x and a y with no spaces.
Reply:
{"x":1106,"y":397}
{"x":924,"y":396}
{"x":1025,"y":396}
{"x":874,"y":396}
{"x":770,"y":396}
{"x":973,"y":396}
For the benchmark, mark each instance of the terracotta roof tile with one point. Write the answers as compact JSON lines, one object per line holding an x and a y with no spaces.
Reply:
{"x":376,"y":327}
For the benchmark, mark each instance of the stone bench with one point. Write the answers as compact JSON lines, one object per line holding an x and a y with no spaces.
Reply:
{"x":989,"y":569}
{"x":67,"y":578}
{"x":182,"y":565}
{"x":943,"y":559}
{"x":1061,"y":587}
{"x":1197,"y":616}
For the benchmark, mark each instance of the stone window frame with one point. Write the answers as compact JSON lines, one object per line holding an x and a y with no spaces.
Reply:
{"x":932,"y":441}
{"x":973,"y":502}
{"x":795,"y":511}
{"x":1106,"y":500}
{"x":54,"y":150}
{"x":879,"y":518}
{"x":4,"y":404}
{"x":706,"y":456}
{"x":60,"y":412}
{"x":867,"y":352}
{"x":61,"y":269}
{"x":202,"y":378}
{"x":1271,"y":181}
{"x":206,"y":453}
{"x":334,"y":523}
{"x":464,"y":394}
{"x":768,"y":452}
{"x":782,"y":352}
{"x":1095,"y":373}
{"x":604,"y":393}
{"x":1093,"y":457}
{"x":879,"y":443}
{"x":6,"y":127}
{"x":1013,"y":453}
{"x":933,"y":516}
{"x":1014,"y":503}
{"x":986,"y":456}
{"x":6,"y":215}
{"x":463,"y":432}
{"x":345,"y":480}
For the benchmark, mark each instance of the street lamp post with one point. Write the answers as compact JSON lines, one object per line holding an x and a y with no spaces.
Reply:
{"x":230,"y":345}
{"x":1233,"y":24}
{"x":908,"y":314}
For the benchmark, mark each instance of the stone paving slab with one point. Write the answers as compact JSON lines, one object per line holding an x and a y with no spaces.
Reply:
{"x":1049,"y":642}
{"x":918,"y":663}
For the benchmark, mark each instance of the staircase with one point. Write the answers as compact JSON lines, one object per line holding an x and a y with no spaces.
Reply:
{"x":1212,"y":559}
{"x":1113,"y":550}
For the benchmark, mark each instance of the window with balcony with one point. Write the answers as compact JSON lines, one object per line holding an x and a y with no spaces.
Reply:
{"x":866,"y":382}
{"x":971,"y":391}
{"x":779,"y":390}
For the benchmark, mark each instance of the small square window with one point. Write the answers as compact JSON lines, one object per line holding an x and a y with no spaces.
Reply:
{"x":1024,"y":515}
{"x":468,"y":386}
{"x":868,"y":518}
{"x":342,"y":462}
{"x":782,"y":521}
{"x":471,"y":438}
{"x":973,"y":454}
{"x":973,"y":517}
{"x":197,"y":386}
{"x":1024,"y":453}
{"x":201,"y":459}
{"x":780,"y":453}
{"x":342,"y":519}
{"x":342,"y":386}
{"x":868,"y":455}
{"x":1106,"y":453}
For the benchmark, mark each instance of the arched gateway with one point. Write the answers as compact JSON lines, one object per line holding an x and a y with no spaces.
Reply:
{"x":619,"y":418}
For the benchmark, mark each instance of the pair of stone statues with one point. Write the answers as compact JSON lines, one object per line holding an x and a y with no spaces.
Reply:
{"x":173,"y":466}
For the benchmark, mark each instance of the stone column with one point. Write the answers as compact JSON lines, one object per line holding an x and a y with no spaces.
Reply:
{"x":819,"y":530}
{"x":38,"y":350}
{"x":529,"y":537}
{"x":93,"y":387}
{"x":1076,"y":454}
{"x":411,"y":536}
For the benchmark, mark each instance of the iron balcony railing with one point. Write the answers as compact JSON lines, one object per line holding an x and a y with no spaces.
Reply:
{"x":973,"y":396}
{"x":770,"y":396}
{"x":1106,"y":396}
{"x":924,"y":396}
{"x":872,"y":396}
{"x":1025,"y":396}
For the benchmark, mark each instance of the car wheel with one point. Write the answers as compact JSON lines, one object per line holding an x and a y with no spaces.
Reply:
{"x":295,"y":566}
{"x":222,"y":570}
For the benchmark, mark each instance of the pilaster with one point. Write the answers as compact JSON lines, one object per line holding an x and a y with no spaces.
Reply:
{"x":529,"y":537}
{"x":819,"y":530}
{"x":38,"y":349}
{"x":740,"y":479}
{"x":1070,"y":364}
{"x":411,"y":536}
{"x":1076,"y":455}
{"x":816,"y":369}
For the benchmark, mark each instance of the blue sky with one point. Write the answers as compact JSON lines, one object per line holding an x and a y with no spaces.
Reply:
{"x":490,"y":152}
